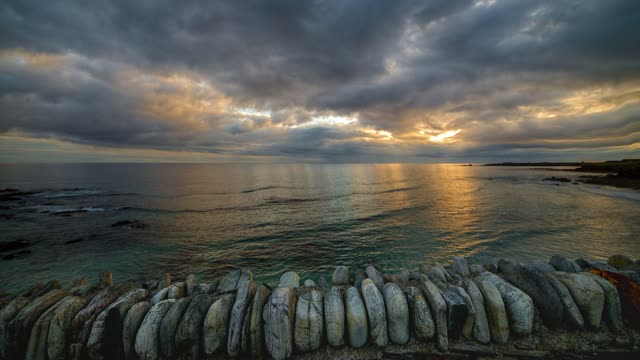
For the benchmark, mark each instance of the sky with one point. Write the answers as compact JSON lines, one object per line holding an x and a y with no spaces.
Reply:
{"x":319,"y":81}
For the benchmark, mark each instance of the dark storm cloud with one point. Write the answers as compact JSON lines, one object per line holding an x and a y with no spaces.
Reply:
{"x":484,"y":67}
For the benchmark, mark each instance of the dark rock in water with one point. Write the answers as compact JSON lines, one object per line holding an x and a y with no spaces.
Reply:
{"x":5,"y":190}
{"x":130,"y":224}
{"x":18,"y":254}
{"x":541,"y":292}
{"x":563,"y":264}
{"x":620,"y":261}
{"x":74,"y":241}
{"x":13,"y":245}
{"x":559,"y":179}
{"x":7,"y":216}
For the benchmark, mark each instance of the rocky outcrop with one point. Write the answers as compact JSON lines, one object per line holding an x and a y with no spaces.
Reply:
{"x":7,"y":313}
{"x":356,"y":318}
{"x":334,"y":316}
{"x":309,"y":324}
{"x":190,"y":284}
{"x":376,"y":313}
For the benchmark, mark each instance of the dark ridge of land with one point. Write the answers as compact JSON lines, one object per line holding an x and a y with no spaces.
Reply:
{"x":551,"y":164}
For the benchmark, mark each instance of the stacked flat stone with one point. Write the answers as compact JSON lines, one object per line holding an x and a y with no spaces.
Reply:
{"x":191,"y":320}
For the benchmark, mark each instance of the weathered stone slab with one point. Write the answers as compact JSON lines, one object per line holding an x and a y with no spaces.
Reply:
{"x":421,"y":321}
{"x":357,"y":276}
{"x":340,"y":276}
{"x":571,"y":313}
{"x":164,"y":281}
{"x":176,"y":291}
{"x":229,"y":282}
{"x":310,"y":283}
{"x":7,"y":313}
{"x":246,"y":288}
{"x":356,"y":318}
{"x":460,"y":266}
{"x":37,"y":345}
{"x":375,"y":276}
{"x":397,"y":313}
{"x":587,"y":294}
{"x":289,"y":279}
{"x":564,"y":264}
{"x":256,"y":326}
{"x":439,"y":310}
{"x":214,"y":328}
{"x":374,"y":303}
{"x":309,"y":322}
{"x":518,"y":304}
{"x":496,"y":311}
{"x":467,"y":328}
{"x":612,"y":305}
{"x":334,"y":315}
{"x":540,"y":266}
{"x":544,"y":296}
{"x":190,"y":284}
{"x":148,"y":337}
{"x":279,"y":316}
{"x":58,"y":337}
{"x":508,"y":266}
{"x":201,"y":289}
{"x":169,"y":326}
{"x":160,"y":295}
{"x":189,"y":334}
{"x":130,"y":327}
{"x":481,"y":330}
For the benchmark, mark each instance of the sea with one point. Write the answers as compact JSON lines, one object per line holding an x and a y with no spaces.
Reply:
{"x":140,"y":221}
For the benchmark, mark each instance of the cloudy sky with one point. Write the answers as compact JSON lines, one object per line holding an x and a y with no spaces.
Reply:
{"x":325,"y":81}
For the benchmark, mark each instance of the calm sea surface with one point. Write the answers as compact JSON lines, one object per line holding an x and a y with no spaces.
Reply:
{"x":207,"y":219}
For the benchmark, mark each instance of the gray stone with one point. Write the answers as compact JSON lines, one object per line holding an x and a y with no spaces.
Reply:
{"x":279,"y":316}
{"x":147,"y":339}
{"x":481,"y":330}
{"x":476,"y":270}
{"x":518,"y":304}
{"x":309,"y":324}
{"x":571,"y":313}
{"x":191,"y":282}
{"x":374,"y":303}
{"x":37,"y":345}
{"x":435,"y":273}
{"x":397,"y":311}
{"x":164,"y":281}
{"x":169,"y":326}
{"x":334,"y":316}
{"x":375,"y":276}
{"x":403,"y":276}
{"x":594,"y":264}
{"x":563,"y":264}
{"x":542,"y":293}
{"x":323,"y":284}
{"x":356,"y":318}
{"x":289,"y":279}
{"x":201,"y":289}
{"x":460,"y":266}
{"x":130,"y":327}
{"x":508,"y":266}
{"x":496,"y":311}
{"x":439,"y":310}
{"x":176,"y":291}
{"x":358,"y":275}
{"x":612,"y":306}
{"x":256,"y":326}
{"x":540,"y":266}
{"x":340,"y":276}
{"x":58,"y":337}
{"x":246,"y":288}
{"x":160,"y":295}
{"x":309,"y":283}
{"x":229,"y":282}
{"x":420,"y":315}
{"x":214,"y":328}
{"x":457,"y":311}
{"x":189,"y":334}
{"x":587,"y":294}
{"x":7,"y":313}
{"x":467,"y":328}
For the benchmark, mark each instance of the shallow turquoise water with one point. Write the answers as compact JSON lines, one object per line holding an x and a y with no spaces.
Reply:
{"x":207,"y":219}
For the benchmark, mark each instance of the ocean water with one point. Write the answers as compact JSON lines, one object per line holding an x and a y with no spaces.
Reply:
{"x":208,"y":219}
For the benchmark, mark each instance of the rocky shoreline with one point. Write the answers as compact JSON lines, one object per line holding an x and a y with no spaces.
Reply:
{"x":555,"y":309}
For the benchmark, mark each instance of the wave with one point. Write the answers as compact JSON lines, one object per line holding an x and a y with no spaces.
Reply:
{"x":399,"y":189}
{"x":613,"y":192}
{"x":60,"y":209}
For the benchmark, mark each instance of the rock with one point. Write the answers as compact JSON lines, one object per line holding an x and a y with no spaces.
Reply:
{"x":309,"y":323}
{"x":323,"y":284}
{"x":460,"y":266}
{"x":544,"y":296}
{"x":229,"y":282}
{"x":587,"y":294}
{"x":131,"y":325}
{"x":456,"y":310}
{"x":279,"y":316}
{"x":334,"y":316}
{"x":214,"y":329}
{"x":58,"y":336}
{"x":570,"y":311}
{"x":191,"y":283}
{"x":563,"y":264}
{"x":213,"y":286}
{"x":340,"y":276}
{"x":540,"y":266}
{"x":375,"y":276}
{"x":164,"y":281}
{"x":508,"y":266}
{"x":105,"y":337}
{"x":620,"y":261}
{"x":289,"y":280}
{"x":13,"y":245}
{"x":201,"y":289}
{"x":629,"y":292}
{"x":481,"y":330}
{"x":490,"y":268}
{"x":404,"y":276}
{"x":53,"y":284}
{"x":160,"y":295}
{"x":169,"y":326}
{"x":397,"y":313}
{"x":612,"y":306}
{"x":37,"y":344}
{"x":419,"y":315}
{"x":356,"y":318}
{"x":105,"y":279}
{"x":246,"y":288}
{"x":18,"y":330}
{"x":256,"y":326}
{"x":189,"y":334}
{"x":586,"y":264}
{"x":358,"y":275}
{"x":439,"y":310}
{"x":309,"y":283}
{"x":496,"y":311}
{"x":147,"y":339}
{"x":176,"y":291}
{"x":376,"y":313}
{"x":435,"y":272}
{"x":476,"y":270}
{"x":130,"y":224}
{"x":447,"y":276}
{"x":7,"y":313}
{"x":518,"y":304}
{"x":467,"y":328}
